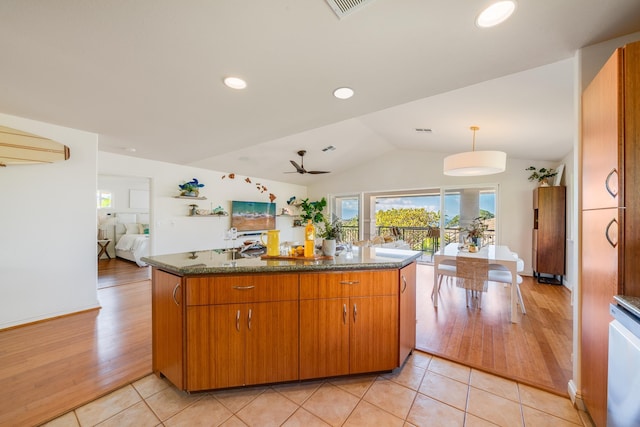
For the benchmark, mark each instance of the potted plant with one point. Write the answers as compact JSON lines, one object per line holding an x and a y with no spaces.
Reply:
{"x":541,"y":175}
{"x":191,"y":188}
{"x":330,"y":232}
{"x":312,"y":210}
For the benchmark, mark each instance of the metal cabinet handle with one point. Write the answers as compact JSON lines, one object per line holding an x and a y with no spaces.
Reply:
{"x":249,"y":319}
{"x":349,"y":282}
{"x":355,"y":313}
{"x":404,"y":282}
{"x":243,"y":288}
{"x":606,"y":233}
{"x":344,"y":313}
{"x":614,"y":193}
{"x":175,"y":289}
{"x":238,"y":320}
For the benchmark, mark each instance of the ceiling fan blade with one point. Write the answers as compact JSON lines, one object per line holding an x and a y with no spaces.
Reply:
{"x":318,"y":172}
{"x":297,"y":166}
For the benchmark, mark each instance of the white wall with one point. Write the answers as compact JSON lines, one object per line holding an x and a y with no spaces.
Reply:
{"x":408,"y":170}
{"x":48,"y":230}
{"x":171,"y":229}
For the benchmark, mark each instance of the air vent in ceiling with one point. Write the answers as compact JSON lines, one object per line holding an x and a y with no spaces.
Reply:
{"x":343,"y":8}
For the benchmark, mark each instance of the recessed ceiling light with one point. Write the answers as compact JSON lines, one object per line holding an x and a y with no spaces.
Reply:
{"x":495,"y":14}
{"x":235,"y":83}
{"x":130,"y":149}
{"x":343,"y":93}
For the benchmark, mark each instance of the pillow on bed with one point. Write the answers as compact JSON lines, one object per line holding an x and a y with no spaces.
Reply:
{"x":132,"y":228}
{"x":144,"y":228}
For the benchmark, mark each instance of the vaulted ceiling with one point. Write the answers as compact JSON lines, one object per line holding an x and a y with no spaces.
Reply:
{"x":147,"y":75}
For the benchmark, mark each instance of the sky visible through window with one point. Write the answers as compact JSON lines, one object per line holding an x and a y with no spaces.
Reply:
{"x":430,"y":203}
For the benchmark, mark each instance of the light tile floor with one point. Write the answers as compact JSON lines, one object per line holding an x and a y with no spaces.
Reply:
{"x":426,"y":391}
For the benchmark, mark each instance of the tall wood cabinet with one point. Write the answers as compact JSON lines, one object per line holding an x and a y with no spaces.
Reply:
{"x":610,"y":212}
{"x":549,"y":235}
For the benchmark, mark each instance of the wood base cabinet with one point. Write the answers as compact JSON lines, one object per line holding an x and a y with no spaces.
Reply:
{"x":225,"y":330}
{"x":236,"y":330}
{"x":167,"y":315}
{"x":348,"y":323}
{"x":407,"y":338}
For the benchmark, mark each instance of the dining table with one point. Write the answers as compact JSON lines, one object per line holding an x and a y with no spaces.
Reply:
{"x":494,"y":254}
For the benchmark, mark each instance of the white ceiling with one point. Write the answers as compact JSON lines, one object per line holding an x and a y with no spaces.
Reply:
{"x":146,"y":74}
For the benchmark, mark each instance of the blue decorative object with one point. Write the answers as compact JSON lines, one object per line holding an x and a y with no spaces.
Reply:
{"x":191,"y":188}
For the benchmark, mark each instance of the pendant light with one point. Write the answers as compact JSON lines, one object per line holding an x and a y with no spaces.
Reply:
{"x":475,"y":163}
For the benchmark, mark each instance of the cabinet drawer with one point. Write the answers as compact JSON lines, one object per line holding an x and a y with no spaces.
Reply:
{"x":348,"y":283}
{"x":241,"y":289}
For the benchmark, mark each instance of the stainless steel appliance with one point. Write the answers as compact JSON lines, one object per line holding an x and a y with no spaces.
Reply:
{"x":623,"y":395}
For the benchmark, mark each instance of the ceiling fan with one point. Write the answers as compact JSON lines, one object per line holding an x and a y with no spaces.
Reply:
{"x":300,"y":167}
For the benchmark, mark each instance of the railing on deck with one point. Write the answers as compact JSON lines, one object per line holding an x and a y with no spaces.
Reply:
{"x":425,"y":239}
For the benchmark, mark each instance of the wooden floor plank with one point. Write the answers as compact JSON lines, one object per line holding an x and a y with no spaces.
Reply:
{"x":536,"y":351}
{"x":50,"y":367}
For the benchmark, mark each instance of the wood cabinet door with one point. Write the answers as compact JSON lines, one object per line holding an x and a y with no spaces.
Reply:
{"x":631,"y":268}
{"x":167,"y":330}
{"x":271,"y":346}
{"x":216,"y":349}
{"x":407,"y":333}
{"x":599,"y":285}
{"x":373,"y":336}
{"x":324,"y":337}
{"x":602,"y":136}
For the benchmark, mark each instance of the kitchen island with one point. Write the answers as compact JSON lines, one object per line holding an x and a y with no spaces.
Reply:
{"x":222,"y":320}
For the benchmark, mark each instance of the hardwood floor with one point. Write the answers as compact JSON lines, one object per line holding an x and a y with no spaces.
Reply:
{"x":115,"y":271}
{"x":51,"y":367}
{"x":536,"y":351}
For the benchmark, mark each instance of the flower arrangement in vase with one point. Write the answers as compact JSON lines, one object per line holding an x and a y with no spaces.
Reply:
{"x":191,"y":188}
{"x":475,"y":230}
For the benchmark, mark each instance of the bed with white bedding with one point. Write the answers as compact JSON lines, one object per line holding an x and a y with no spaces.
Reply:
{"x":132,"y":237}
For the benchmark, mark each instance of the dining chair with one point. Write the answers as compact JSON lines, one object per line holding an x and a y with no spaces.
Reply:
{"x":446,"y":268}
{"x":472,"y":274}
{"x":502,"y":276}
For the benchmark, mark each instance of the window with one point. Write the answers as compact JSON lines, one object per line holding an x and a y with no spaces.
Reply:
{"x":347,"y":208}
{"x":103,"y":199}
{"x":463,"y":205}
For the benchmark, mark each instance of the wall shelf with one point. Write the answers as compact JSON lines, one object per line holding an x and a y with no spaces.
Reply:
{"x":211,"y":215}
{"x":190,"y":197}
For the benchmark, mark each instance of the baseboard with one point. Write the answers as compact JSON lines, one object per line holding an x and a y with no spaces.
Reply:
{"x":575,"y":397}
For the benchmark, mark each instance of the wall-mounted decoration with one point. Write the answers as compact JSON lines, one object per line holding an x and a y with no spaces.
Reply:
{"x":191,"y":188}
{"x":22,"y":148}
{"x":261,"y":188}
{"x":253,"y":216}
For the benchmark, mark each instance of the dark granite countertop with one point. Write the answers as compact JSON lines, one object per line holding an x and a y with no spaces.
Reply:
{"x":218,"y":261}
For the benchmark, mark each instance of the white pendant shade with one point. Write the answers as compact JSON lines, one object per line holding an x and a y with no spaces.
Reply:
{"x":474,"y":163}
